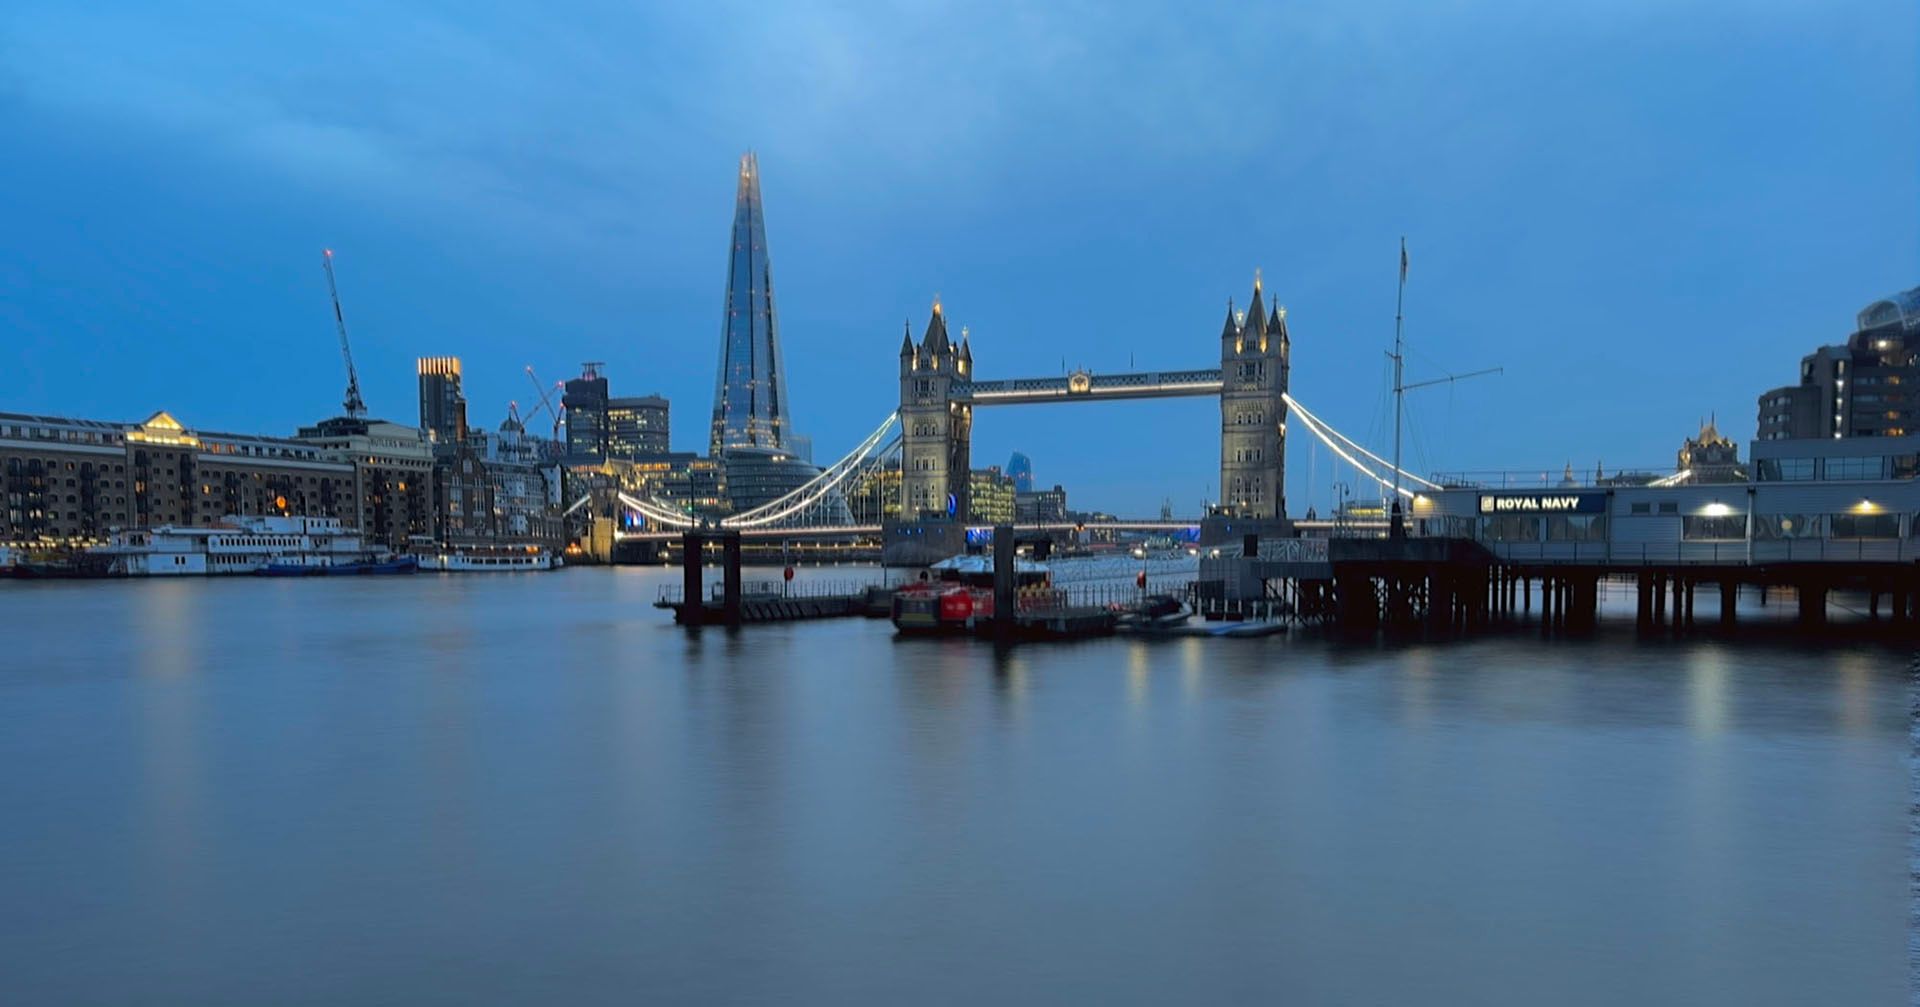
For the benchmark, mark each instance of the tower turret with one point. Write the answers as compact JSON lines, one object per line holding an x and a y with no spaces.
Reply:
{"x":1253,"y":379}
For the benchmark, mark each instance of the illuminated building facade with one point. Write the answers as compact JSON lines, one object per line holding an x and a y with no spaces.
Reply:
{"x":637,"y":426}
{"x":74,"y":481}
{"x":1255,"y":354}
{"x":1864,"y":387}
{"x":586,"y":400}
{"x":990,"y":496}
{"x":749,"y":396}
{"x":443,"y":408}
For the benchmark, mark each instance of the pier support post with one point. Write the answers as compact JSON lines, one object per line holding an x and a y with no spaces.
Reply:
{"x":730,"y":577}
{"x":1004,"y":614}
{"x":1729,"y":598}
{"x":1813,"y":603}
{"x":693,"y":608}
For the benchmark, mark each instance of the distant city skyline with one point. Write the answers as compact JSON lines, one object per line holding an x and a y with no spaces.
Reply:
{"x":1653,"y":188}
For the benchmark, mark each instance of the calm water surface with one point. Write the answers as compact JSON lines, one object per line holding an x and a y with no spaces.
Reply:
{"x":532,"y":788}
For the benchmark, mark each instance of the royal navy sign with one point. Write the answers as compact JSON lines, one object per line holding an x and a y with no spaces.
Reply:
{"x":1543,"y":503}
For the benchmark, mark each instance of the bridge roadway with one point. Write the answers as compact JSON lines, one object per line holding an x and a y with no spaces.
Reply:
{"x":1085,"y":385}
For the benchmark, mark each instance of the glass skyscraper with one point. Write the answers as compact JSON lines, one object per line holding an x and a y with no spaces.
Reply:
{"x":750,"y":421}
{"x":750,"y":394}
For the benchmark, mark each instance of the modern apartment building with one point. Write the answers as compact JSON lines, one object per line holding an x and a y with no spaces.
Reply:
{"x":1864,"y":387}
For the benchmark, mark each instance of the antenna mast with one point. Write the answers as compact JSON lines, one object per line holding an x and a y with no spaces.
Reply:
{"x":354,"y":405}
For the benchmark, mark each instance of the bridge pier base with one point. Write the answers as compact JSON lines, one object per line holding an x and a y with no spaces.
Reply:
{"x":692,"y":590}
{"x":730,"y":577}
{"x":1729,"y":600}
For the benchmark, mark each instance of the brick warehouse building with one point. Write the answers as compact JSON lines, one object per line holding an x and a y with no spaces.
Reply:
{"x":73,"y":481}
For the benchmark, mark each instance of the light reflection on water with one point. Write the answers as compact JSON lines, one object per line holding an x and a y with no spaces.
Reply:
{"x":500,"y":789}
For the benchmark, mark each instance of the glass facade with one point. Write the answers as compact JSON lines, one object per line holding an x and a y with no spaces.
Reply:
{"x":749,"y":396}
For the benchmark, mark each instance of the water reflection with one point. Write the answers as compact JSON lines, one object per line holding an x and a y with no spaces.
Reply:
{"x":539,"y":777}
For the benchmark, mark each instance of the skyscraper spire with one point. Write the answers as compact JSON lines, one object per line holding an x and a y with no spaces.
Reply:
{"x":749,"y":397}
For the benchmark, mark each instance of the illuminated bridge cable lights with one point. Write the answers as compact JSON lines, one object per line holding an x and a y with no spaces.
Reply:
{"x":1361,"y":467}
{"x":816,"y":490}
{"x":657,"y":512}
{"x":1326,"y":429}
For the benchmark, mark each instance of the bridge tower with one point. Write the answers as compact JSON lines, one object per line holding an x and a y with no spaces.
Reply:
{"x":1255,"y":356}
{"x":936,"y":425}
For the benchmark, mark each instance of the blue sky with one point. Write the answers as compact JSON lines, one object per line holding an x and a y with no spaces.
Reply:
{"x":1645,"y":211}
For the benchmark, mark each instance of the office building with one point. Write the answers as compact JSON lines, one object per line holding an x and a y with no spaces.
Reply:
{"x":990,"y":497}
{"x":1041,"y":506}
{"x":750,"y":421}
{"x":637,"y":426}
{"x":1020,"y":468}
{"x":749,"y":398}
{"x":443,"y":409}
{"x":1861,"y":388}
{"x":585,"y":398}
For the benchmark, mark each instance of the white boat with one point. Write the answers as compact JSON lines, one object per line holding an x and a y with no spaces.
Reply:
{"x":237,"y":545}
{"x":499,"y":561}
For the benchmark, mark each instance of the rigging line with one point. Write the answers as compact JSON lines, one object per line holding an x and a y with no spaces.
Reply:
{"x":1305,"y":412}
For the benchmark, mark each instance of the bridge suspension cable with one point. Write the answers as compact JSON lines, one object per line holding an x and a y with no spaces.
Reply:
{"x":657,"y":512}
{"x":815,"y":490}
{"x":1334,"y":440}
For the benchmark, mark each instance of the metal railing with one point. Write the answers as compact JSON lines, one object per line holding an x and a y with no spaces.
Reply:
{"x":1719,"y":553}
{"x":674,"y":594}
{"x":1546,"y":479}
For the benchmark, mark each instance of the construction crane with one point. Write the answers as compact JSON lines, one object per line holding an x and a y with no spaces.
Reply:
{"x":546,"y":401}
{"x":355,"y":406}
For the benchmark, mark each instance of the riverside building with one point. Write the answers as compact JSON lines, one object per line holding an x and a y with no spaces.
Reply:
{"x":73,"y":482}
{"x":1864,"y":387}
{"x":1806,"y":499}
{"x":392,"y":473}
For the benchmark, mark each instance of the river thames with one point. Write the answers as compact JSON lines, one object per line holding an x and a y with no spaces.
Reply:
{"x":533,"y":788}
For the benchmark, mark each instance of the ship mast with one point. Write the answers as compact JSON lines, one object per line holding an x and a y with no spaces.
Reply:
{"x":1397,"y":527}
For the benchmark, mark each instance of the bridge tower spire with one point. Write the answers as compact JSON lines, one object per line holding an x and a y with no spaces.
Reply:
{"x":1254,"y":352}
{"x":936,"y":424}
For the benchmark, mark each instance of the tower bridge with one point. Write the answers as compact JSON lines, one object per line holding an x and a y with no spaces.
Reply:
{"x":929,"y":438}
{"x":939,"y":392}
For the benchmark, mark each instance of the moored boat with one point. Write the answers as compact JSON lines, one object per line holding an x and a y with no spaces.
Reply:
{"x":955,"y":594}
{"x":369,"y":565}
{"x":494,"y":561}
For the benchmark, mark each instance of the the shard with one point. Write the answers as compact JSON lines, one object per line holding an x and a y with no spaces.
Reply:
{"x":750,"y":395}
